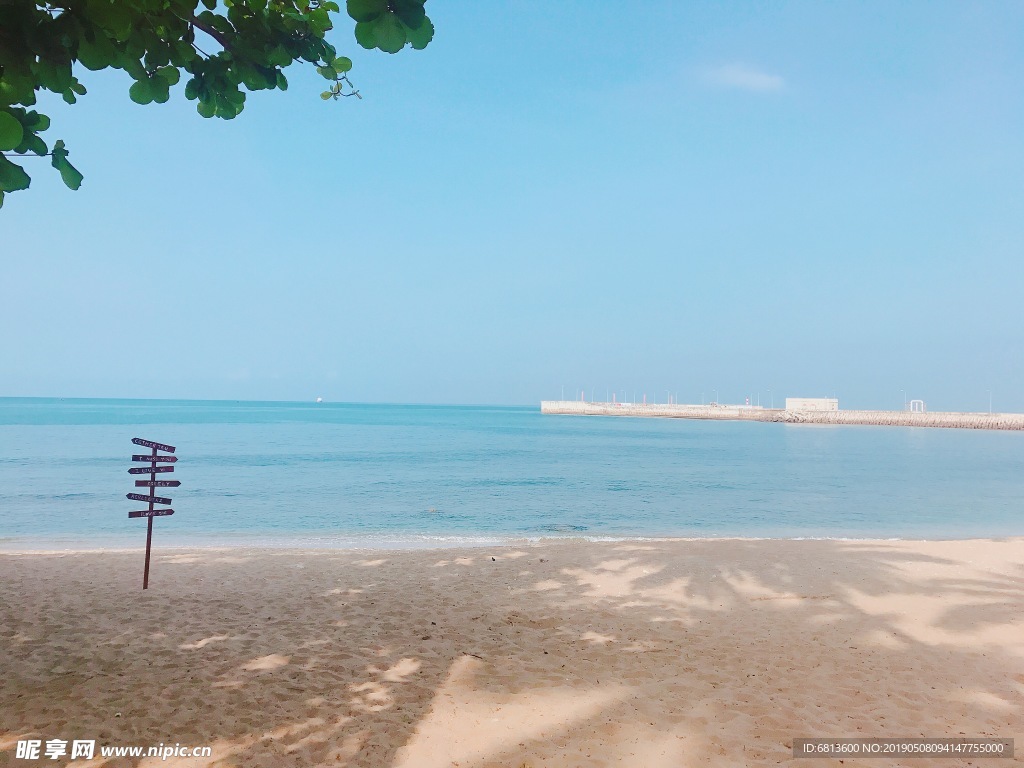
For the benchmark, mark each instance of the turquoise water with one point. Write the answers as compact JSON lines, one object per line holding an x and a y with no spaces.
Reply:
{"x":398,"y":475}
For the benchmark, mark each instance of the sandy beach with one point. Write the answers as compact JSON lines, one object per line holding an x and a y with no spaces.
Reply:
{"x":642,"y":653}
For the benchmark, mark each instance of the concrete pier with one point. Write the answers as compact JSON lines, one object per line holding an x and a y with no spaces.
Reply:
{"x":948,"y":419}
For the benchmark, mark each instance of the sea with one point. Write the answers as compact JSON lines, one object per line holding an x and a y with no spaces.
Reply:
{"x":345,"y":475}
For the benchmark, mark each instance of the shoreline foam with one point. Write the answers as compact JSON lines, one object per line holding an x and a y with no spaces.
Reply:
{"x":441,"y":543}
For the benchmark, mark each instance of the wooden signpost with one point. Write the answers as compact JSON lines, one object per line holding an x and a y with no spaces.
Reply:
{"x":152,"y":459}
{"x":150,"y":499}
{"x":151,"y":513}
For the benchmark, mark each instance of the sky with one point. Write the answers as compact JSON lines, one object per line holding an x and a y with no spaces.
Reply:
{"x":707,"y":200}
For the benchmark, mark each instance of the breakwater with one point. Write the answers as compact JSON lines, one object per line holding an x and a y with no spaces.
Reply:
{"x":948,"y":419}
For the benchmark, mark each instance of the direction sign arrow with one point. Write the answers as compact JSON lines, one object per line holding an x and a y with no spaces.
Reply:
{"x":157,"y":483}
{"x":151,"y":444}
{"x":151,"y":513}
{"x":147,"y":470}
{"x":144,"y":457}
{"x":153,"y":499}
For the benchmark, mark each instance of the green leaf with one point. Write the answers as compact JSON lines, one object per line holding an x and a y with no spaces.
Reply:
{"x":327,"y":72}
{"x":228,"y":111}
{"x":132,"y":65}
{"x":278,"y":56}
{"x":170,"y":74}
{"x":32,"y":143}
{"x":68,"y":173}
{"x":410,"y":13}
{"x":97,"y":54}
{"x":366,"y":10}
{"x":366,"y":34}
{"x":12,"y":177}
{"x":140,"y":92}
{"x":192,"y":89}
{"x":342,"y":64}
{"x":421,"y":36}
{"x":53,"y":74}
{"x":160,"y":89}
{"x":1,"y":199}
{"x":158,"y":56}
{"x":206,"y":108}
{"x":325,"y":95}
{"x":390,"y":33}
{"x":116,"y":19}
{"x":11,"y":131}
{"x":183,"y":53}
{"x":60,"y":150}
{"x":218,"y":22}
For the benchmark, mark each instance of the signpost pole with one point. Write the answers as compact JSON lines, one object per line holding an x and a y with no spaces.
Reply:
{"x":149,"y":524}
{"x":152,"y":484}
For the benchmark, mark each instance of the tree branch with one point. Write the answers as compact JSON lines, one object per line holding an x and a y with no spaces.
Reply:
{"x":218,"y":36}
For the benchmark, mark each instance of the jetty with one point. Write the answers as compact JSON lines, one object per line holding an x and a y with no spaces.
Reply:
{"x":714,"y":411}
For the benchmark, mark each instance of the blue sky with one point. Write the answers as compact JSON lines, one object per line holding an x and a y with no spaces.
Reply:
{"x":807,"y":198}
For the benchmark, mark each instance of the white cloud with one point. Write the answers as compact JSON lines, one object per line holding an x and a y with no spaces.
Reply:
{"x":743,"y":77}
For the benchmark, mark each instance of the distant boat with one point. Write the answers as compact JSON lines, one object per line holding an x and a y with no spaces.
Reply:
{"x":319,"y":399}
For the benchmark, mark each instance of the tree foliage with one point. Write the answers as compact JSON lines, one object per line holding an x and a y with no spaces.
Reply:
{"x":220,"y":50}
